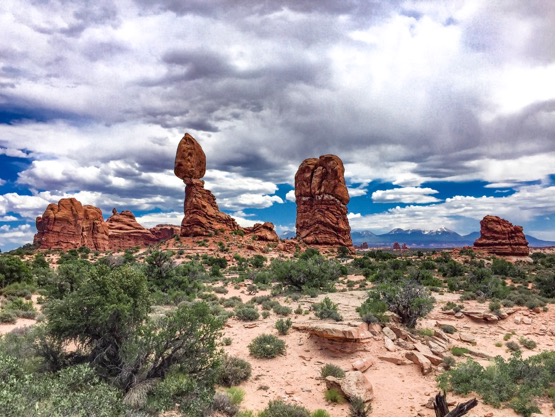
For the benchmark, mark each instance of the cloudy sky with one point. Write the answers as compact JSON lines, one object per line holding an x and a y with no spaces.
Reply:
{"x":442,"y":111}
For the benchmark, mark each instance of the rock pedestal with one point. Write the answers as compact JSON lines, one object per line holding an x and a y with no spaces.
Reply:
{"x":501,"y":237}
{"x":321,"y":196}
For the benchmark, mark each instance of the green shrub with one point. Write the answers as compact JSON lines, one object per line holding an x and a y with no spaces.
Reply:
{"x":233,"y":371}
{"x":7,"y":317}
{"x":267,"y":346}
{"x":408,"y":299}
{"x":236,"y":394}
{"x":527,"y":343}
{"x":314,"y":273}
{"x":281,"y":310}
{"x":373,"y":310}
{"x":513,"y":346}
{"x":223,"y":404}
{"x":459,"y":351}
{"x":426,"y":332}
{"x":279,"y":408}
{"x":247,"y":313}
{"x":327,"y":309}
{"x":334,"y":395}
{"x":320,"y":413}
{"x":515,"y":382}
{"x":358,"y":407}
{"x":331,"y":370}
{"x":283,"y":326}
{"x":449,"y":362}
{"x":265,"y":314}
{"x":448,"y":329}
{"x":227,"y":341}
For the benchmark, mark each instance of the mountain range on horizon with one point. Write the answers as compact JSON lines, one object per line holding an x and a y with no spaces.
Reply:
{"x":419,"y":238}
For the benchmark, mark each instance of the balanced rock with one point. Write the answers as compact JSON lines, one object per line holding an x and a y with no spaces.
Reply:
{"x":68,"y":225}
{"x":263,"y":232}
{"x":501,"y":237}
{"x":191,"y":162}
{"x":321,"y":196}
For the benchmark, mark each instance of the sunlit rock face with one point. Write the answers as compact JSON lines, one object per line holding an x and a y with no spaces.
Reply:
{"x":501,"y":237}
{"x":321,"y":196}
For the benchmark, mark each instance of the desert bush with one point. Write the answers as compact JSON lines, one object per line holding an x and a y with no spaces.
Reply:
{"x":233,"y":371}
{"x":283,"y":326}
{"x":513,"y":346}
{"x":327,"y":309}
{"x":236,"y":394}
{"x":13,"y":270}
{"x":7,"y":317}
{"x":545,"y":284}
{"x":334,"y":395}
{"x":449,"y":362}
{"x":459,"y":351}
{"x":331,"y":370}
{"x":304,"y":274}
{"x":320,"y":413}
{"x":358,"y":407}
{"x":406,"y":298}
{"x":373,"y":310}
{"x":281,"y":310}
{"x":515,"y":382}
{"x":246,"y":313}
{"x":527,"y":343}
{"x":279,"y":408}
{"x":448,"y":329}
{"x":267,"y":346}
{"x":223,"y":403}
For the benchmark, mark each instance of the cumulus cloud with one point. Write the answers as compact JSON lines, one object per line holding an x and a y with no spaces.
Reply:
{"x":290,"y":196}
{"x":405,"y":195}
{"x":14,"y":236}
{"x":98,"y":96}
{"x":462,"y":213}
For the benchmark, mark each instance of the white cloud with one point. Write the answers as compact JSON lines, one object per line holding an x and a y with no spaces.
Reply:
{"x":462,"y":213}
{"x":8,"y":218}
{"x":152,"y":219}
{"x":290,"y":196}
{"x":405,"y":195}
{"x":11,"y":237}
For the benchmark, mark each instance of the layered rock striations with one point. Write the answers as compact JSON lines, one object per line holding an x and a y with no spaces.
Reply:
{"x":321,"y":196}
{"x":125,"y":232}
{"x":202,"y":217}
{"x":68,"y":224}
{"x":501,"y":237}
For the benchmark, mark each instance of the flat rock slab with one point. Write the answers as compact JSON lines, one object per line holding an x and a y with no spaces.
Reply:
{"x":338,"y":337}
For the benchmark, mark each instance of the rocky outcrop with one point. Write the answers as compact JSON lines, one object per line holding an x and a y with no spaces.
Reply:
{"x":338,"y":337}
{"x":321,"y":196}
{"x":353,"y":385}
{"x":202,"y":217}
{"x":263,"y":232}
{"x":500,"y":237}
{"x":68,"y":225}
{"x":125,"y":232}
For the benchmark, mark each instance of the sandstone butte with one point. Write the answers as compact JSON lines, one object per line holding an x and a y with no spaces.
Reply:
{"x":321,"y":196}
{"x":501,"y":237}
{"x":202,"y":217}
{"x":69,"y":224}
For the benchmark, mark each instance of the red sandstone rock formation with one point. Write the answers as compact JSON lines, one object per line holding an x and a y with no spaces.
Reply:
{"x":396,"y":246}
{"x":500,"y":237}
{"x":68,"y":225}
{"x":321,"y":196}
{"x":202,"y":215}
{"x":125,"y":232}
{"x":263,"y":232}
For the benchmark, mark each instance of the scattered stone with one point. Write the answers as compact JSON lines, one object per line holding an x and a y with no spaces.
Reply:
{"x":517,"y":320}
{"x":420,"y":360}
{"x":354,"y":384}
{"x":375,"y":328}
{"x":389,"y":344}
{"x":406,"y":345}
{"x":425,"y":351}
{"x":468,"y":338}
{"x":362,"y":364}
{"x":526,"y":321}
{"x":400,"y":332}
{"x":251,"y":325}
{"x":394,"y":360}
{"x":458,"y":315}
{"x":389,"y":333}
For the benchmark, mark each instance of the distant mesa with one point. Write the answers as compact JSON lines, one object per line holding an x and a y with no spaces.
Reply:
{"x":321,"y":196}
{"x":69,"y":225}
{"x":202,"y":217}
{"x":501,"y":237}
